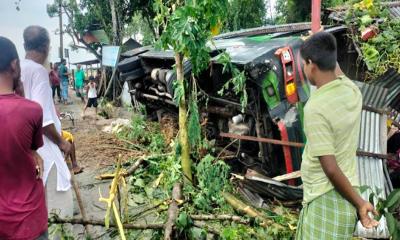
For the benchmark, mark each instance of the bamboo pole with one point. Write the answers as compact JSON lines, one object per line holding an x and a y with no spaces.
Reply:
{"x":77,"y":193}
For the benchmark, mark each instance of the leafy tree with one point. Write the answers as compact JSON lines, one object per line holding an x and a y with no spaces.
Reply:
{"x":291,"y":11}
{"x":145,"y":8}
{"x":187,"y":27}
{"x":86,"y":15}
{"x":139,"y":26}
{"x":246,"y":14}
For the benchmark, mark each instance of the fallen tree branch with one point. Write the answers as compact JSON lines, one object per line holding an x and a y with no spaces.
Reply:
{"x":212,"y":217}
{"x":133,"y":168}
{"x":173,"y":211}
{"x":119,"y":148}
{"x":133,"y":144}
{"x":101,"y":223}
{"x":246,"y":209}
{"x":208,"y":228}
{"x":148,"y":208}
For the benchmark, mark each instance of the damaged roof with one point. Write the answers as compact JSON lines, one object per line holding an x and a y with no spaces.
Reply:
{"x":391,"y":81}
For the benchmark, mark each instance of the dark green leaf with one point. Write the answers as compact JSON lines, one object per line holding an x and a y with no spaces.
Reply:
{"x":197,"y":234}
{"x":364,"y":188}
{"x":393,"y":199}
{"x":183,"y":221}
{"x":371,"y":198}
{"x":392,"y":225}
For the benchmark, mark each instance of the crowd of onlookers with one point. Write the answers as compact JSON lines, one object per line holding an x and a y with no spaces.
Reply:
{"x":34,"y":176}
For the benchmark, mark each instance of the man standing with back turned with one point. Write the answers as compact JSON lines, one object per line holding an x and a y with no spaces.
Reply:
{"x":23,"y":213}
{"x":37,"y":88}
{"x":63,"y":74}
{"x":79,"y":82}
{"x":329,"y":168}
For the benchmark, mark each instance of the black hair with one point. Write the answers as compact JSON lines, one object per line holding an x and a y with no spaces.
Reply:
{"x":321,"y":49}
{"x":63,"y":60}
{"x":36,"y":38}
{"x":8,"y":54}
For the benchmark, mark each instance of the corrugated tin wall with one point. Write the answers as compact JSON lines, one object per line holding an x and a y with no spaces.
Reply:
{"x":373,"y":137}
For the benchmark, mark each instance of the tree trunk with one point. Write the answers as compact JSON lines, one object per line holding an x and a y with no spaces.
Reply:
{"x":183,"y":129}
{"x":114,"y":23}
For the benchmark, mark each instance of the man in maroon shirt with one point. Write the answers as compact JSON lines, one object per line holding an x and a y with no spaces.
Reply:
{"x":23,"y":213}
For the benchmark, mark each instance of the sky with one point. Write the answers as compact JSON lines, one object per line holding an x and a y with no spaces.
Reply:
{"x":33,"y":12}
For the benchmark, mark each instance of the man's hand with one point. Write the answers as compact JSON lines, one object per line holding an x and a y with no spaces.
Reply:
{"x":343,"y":186}
{"x":363,"y":210}
{"x":39,"y":164}
{"x":65,"y":147}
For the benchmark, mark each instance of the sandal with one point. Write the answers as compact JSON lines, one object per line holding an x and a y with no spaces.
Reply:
{"x":77,"y":170}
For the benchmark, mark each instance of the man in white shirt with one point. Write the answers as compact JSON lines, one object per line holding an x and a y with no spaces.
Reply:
{"x":35,"y":79}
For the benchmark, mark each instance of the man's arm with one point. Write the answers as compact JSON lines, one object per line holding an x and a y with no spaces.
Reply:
{"x":343,"y":186}
{"x":51,"y":133}
{"x":41,"y":94}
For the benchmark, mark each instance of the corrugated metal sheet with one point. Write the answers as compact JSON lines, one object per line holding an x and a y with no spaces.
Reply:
{"x":373,"y":96}
{"x":292,"y":27}
{"x":391,"y":81}
{"x":372,"y":170}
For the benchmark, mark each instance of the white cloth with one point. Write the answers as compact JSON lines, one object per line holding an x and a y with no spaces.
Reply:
{"x":35,"y":79}
{"x":58,"y":202}
{"x":92,"y":91}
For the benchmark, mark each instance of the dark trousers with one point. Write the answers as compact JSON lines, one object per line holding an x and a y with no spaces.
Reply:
{"x":58,"y":90}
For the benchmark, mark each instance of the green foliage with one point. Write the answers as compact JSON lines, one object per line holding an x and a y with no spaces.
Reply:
{"x":194,"y":128}
{"x":238,"y":80}
{"x":388,"y":208}
{"x":152,"y":184}
{"x":58,"y":231}
{"x":179,"y":91}
{"x":172,"y":172}
{"x":241,"y":232}
{"x":184,"y":225}
{"x":139,"y":25}
{"x":106,"y":108}
{"x":212,"y":179}
{"x":383,"y":51}
{"x":291,"y":11}
{"x":236,"y":232}
{"x":147,"y":134}
{"x":187,"y":29}
{"x":89,"y":15}
{"x":245,"y":14}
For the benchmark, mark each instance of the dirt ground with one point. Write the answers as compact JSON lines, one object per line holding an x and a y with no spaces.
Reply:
{"x":96,"y":153}
{"x":93,"y":146}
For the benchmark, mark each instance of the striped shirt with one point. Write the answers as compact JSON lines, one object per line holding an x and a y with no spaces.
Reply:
{"x":331,"y":125}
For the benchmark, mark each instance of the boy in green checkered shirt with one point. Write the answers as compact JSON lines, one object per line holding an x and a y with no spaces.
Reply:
{"x":329,"y":168}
